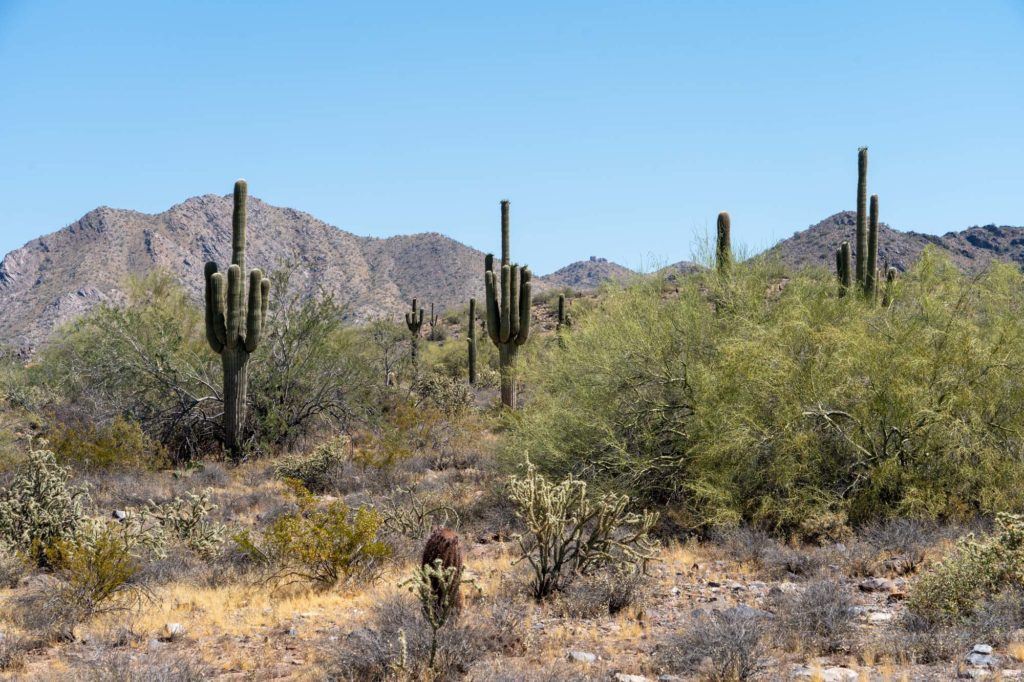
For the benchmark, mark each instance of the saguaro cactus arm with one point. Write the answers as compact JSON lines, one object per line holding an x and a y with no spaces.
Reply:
{"x":871,"y":274}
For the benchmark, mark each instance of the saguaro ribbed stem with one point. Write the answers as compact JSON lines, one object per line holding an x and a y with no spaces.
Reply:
{"x":471,"y":340}
{"x":723,"y":244}
{"x":508,"y":304}
{"x":234,"y":322}
{"x":871,"y":275}
{"x":414,"y":321}
{"x":862,"y":210}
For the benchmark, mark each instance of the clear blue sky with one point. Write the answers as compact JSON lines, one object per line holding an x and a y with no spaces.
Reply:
{"x":616,"y":129}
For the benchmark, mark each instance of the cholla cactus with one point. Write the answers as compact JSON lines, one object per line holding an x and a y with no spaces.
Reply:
{"x":570,"y":534}
{"x":40,"y":507}
{"x":434,"y":585}
{"x":185,"y":519}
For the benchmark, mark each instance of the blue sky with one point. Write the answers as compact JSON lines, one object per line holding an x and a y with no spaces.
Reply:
{"x":617,"y":129}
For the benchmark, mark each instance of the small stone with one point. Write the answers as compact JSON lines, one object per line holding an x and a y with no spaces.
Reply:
{"x":582,"y":657}
{"x":831,"y":674}
{"x":980,"y":660}
{"x":623,"y":677}
{"x":119,"y":515}
{"x":877,"y":585}
{"x":984,"y":649}
{"x":882,"y":617}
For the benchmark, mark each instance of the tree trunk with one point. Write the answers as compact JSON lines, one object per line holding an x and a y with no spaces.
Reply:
{"x":235,"y":362}
{"x":507,"y":353}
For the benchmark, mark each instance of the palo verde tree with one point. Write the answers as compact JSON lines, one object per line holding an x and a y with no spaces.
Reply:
{"x":509,"y":298}
{"x":233,"y":328}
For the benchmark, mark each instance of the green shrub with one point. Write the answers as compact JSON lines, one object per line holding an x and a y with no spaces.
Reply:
{"x":40,"y":507}
{"x":764,"y":398}
{"x":450,"y":396}
{"x":121,"y":443}
{"x":569,"y":534}
{"x":957,"y":586}
{"x":319,"y":470}
{"x":319,"y":545}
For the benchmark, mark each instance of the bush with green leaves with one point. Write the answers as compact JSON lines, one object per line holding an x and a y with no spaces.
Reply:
{"x":40,"y":506}
{"x":956,"y":587}
{"x":450,"y":396}
{"x":119,"y":443}
{"x":763,"y":397}
{"x":317,"y":544}
{"x":572,"y":533}
{"x":318,"y":471}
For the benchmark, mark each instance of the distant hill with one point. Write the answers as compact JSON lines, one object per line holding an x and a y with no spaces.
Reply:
{"x":57,"y":277}
{"x":589,"y":274}
{"x":972,"y":249}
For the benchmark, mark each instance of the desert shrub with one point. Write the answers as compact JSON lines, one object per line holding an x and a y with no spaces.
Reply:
{"x":570,"y":534}
{"x":955,"y":587}
{"x":604,"y":593}
{"x":762,"y":397}
{"x":318,"y":545}
{"x":311,"y":372}
{"x":40,"y":507}
{"x":817,"y":617}
{"x":14,"y":565}
{"x":412,"y":516}
{"x":186,"y":520}
{"x":121,"y":443}
{"x":318,"y":472}
{"x":724,"y":646}
{"x":151,"y":667}
{"x":13,"y":651}
{"x":448,"y":395}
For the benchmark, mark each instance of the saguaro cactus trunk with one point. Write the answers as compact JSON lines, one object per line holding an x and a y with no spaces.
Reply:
{"x":871,"y":275}
{"x":471,"y":341}
{"x":233,"y":325}
{"x":844,"y":267}
{"x":508,"y":310}
{"x":862,"y":210}
{"x":414,"y":321}
{"x":723,"y":244}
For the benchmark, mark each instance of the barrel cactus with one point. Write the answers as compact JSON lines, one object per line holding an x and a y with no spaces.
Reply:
{"x":508,"y":298}
{"x":233,"y":325}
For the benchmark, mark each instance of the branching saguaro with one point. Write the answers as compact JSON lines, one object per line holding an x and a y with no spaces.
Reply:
{"x":234,"y":327}
{"x":471,"y":340}
{"x":723,"y":244}
{"x":509,"y":298}
{"x":414,"y":321}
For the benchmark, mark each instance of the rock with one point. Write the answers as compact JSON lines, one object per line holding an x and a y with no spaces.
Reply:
{"x":119,"y":515}
{"x":881,"y":617}
{"x":173,"y":631}
{"x":669,"y":678}
{"x":831,"y":674}
{"x":623,"y":677}
{"x":582,"y":657}
{"x":984,"y":649}
{"x":877,"y":585}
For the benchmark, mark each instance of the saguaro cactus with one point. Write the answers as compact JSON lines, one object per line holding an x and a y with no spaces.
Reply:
{"x":509,"y":299}
{"x":890,"y":286}
{"x":233,"y":328}
{"x":723,"y":244}
{"x":862,"y":206}
{"x":871,"y":275}
{"x":414,"y":321}
{"x":844,"y":266}
{"x":561,"y":312}
{"x":471,"y":340}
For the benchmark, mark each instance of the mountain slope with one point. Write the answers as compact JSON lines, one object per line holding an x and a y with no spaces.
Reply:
{"x":972,"y":249}
{"x":55,"y":278}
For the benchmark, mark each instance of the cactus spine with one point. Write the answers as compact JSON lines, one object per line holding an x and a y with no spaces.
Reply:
{"x":862,"y":205}
{"x":414,"y":321}
{"x":508,"y":295}
{"x":233,"y":327}
{"x":871,"y":281}
{"x":844,"y":265}
{"x":471,"y":341}
{"x":723,"y":244}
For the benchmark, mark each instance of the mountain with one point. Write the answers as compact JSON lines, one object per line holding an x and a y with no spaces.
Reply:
{"x":55,"y":278}
{"x":589,"y":274}
{"x":971,"y":249}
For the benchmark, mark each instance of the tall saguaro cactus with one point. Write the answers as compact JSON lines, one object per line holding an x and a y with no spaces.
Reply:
{"x":233,"y":327}
{"x":414,"y":321}
{"x":871,"y":274}
{"x":471,"y":341}
{"x":723,"y":244}
{"x":862,"y":208}
{"x":509,"y":298}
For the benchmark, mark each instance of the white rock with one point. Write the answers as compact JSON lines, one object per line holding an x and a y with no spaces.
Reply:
{"x":173,"y":630}
{"x":984,"y":649}
{"x":582,"y":656}
{"x":882,"y":617}
{"x":831,"y":674}
{"x":623,"y":677}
